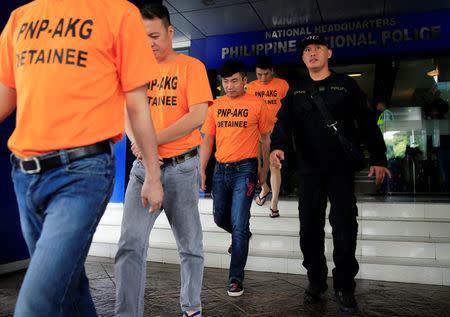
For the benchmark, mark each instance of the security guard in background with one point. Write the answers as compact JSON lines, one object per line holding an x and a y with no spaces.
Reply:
{"x":385,"y":115}
{"x":323,"y":168}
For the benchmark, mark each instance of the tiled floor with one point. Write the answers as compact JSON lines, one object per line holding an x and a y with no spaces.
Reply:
{"x":266,"y":294}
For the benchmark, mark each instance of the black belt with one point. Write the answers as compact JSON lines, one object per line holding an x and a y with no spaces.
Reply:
{"x":42,"y":163}
{"x":247,"y":160}
{"x":178,"y":159}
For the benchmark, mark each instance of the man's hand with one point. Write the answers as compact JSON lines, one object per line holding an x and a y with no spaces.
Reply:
{"x":203,"y":174}
{"x":262,"y":176}
{"x":205,"y":153}
{"x":136,"y":151}
{"x":152,"y":193}
{"x":276,"y":157}
{"x":380,"y":172}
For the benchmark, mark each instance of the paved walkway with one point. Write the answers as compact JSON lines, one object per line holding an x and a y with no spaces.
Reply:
{"x":266,"y":294}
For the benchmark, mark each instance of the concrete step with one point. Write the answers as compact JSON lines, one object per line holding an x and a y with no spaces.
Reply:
{"x":386,"y":246}
{"x":289,"y":208}
{"x":404,"y":242}
{"x":289,"y":225}
{"x":398,"y":269}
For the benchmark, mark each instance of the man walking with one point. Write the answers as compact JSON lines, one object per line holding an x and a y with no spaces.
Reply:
{"x":272,"y":90}
{"x":236,"y":121}
{"x":69,"y":76}
{"x":179,"y":101}
{"x":324,"y":169}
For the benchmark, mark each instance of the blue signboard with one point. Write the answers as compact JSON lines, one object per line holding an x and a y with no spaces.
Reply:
{"x":372,"y":36}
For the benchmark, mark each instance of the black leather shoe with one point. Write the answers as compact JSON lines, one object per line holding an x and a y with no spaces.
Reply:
{"x":346,"y":301}
{"x":314,"y":292}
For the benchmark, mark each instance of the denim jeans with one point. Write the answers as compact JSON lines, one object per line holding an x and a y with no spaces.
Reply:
{"x":232,"y":191}
{"x":181,"y":183}
{"x":59,"y":212}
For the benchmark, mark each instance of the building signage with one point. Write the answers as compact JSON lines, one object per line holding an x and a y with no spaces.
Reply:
{"x":374,"y":36}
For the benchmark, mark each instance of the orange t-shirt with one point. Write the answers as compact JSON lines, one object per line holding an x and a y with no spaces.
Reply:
{"x":272,"y":93}
{"x":183,"y":82}
{"x":71,"y":62}
{"x":237,"y":124}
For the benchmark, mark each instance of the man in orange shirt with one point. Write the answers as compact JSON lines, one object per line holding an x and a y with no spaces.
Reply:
{"x":237,"y":121}
{"x":69,"y":78}
{"x":178,"y":101}
{"x":272,"y":90}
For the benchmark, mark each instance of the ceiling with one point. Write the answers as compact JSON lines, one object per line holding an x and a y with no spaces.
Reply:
{"x":197,"y":19}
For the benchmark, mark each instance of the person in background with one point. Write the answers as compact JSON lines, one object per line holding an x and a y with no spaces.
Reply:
{"x":385,"y":115}
{"x":272,"y":90}
{"x":236,"y":121}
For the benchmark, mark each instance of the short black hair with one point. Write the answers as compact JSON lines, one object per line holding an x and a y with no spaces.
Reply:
{"x":154,"y":10}
{"x":231,"y":67}
{"x":264,"y":62}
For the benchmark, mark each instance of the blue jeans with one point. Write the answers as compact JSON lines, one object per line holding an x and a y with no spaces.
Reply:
{"x":232,"y":191}
{"x":181,"y":183}
{"x":59,"y":212}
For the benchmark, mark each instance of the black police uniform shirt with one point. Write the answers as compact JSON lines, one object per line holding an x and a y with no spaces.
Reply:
{"x":317,"y":146}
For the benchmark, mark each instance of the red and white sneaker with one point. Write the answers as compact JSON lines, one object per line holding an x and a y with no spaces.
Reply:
{"x":235,"y":288}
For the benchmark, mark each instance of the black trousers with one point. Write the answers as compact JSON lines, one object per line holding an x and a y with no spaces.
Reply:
{"x":313,"y":192}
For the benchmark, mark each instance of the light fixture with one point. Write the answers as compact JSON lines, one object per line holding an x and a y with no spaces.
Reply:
{"x":434,"y":72}
{"x":355,"y":74}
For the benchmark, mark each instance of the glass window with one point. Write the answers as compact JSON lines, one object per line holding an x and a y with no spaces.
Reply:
{"x":417,"y":130}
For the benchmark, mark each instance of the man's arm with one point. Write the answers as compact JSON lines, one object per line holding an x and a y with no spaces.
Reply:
{"x":367,"y":125}
{"x":8,"y":100}
{"x":143,"y":133}
{"x":205,"y":153}
{"x":262,"y":174}
{"x":276,"y":156}
{"x":282,"y":131}
{"x":371,"y":135}
{"x":185,"y":125}
{"x":182,"y":127}
{"x":134,"y":148}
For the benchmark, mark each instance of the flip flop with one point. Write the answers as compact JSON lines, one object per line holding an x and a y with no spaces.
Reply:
{"x":197,"y":313}
{"x":261,"y":199}
{"x":271,"y":215}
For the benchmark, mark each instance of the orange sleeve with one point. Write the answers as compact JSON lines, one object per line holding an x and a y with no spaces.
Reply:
{"x":135,"y":60}
{"x":285,"y":89}
{"x":7,"y":77}
{"x":265,"y":124}
{"x":209,"y":127}
{"x":250,"y":89}
{"x":198,"y":88}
